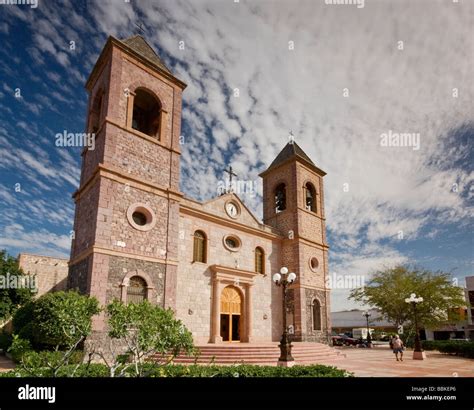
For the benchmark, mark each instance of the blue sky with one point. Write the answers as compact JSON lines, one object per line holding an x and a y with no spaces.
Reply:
{"x":338,"y":76}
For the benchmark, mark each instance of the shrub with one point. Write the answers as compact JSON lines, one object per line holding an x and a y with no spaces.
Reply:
{"x":19,"y":348}
{"x":459,"y":348}
{"x":63,"y":318}
{"x":146,"y":330}
{"x":154,"y":370}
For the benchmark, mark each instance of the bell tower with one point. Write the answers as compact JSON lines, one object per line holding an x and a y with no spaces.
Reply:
{"x":125,"y":243}
{"x":293,"y":203}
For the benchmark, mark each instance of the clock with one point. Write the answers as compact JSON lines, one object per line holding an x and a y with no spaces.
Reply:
{"x":232,"y":210}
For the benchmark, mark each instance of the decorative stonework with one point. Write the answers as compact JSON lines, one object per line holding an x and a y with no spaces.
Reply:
{"x":122,"y":268}
{"x":312,"y":335}
{"x":146,"y":211}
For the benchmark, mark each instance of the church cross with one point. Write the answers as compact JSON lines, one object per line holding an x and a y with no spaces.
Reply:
{"x":291,"y":137}
{"x":231,"y":174}
{"x":140,"y":27}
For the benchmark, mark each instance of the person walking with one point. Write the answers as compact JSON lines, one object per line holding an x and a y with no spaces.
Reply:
{"x":398,"y":347}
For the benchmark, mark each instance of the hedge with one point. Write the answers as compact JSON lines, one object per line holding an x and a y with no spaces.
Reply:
{"x":457,"y":347}
{"x":151,"y":370}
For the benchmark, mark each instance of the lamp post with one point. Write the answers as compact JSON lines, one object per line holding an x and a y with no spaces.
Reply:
{"x":366,"y":314}
{"x":418,"y":353}
{"x":284,"y":279}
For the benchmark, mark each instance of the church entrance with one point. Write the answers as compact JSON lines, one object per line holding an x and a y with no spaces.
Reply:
{"x":231,"y":314}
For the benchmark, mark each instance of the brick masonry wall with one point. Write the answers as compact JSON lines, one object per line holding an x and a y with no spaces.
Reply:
{"x":51,"y":273}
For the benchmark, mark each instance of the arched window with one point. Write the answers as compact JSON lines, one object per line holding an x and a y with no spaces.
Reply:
{"x":310,"y":197}
{"x":259,"y":260}
{"x":136,"y":290}
{"x":316,"y":315}
{"x":96,"y":112}
{"x":280,"y":198}
{"x":146,"y":113}
{"x":199,"y":250}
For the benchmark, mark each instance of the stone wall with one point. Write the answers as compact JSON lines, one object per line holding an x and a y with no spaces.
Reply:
{"x":51,"y":273}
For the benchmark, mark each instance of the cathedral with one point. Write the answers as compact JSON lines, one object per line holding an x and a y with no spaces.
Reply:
{"x":137,"y":236}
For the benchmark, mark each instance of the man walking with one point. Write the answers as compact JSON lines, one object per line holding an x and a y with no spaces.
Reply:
{"x":398,"y":347}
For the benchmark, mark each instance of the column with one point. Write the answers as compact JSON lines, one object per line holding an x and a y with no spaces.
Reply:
{"x":216,"y":313}
{"x":248,"y":313}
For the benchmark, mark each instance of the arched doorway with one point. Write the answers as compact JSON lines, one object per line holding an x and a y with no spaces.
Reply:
{"x":231,"y":314}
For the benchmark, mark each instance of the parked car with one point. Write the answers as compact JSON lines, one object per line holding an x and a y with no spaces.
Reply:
{"x":344,"y":340}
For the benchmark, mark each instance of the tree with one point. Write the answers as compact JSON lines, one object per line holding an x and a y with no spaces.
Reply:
{"x":388,"y":288}
{"x":61,"y":320}
{"x":145,"y":330}
{"x":14,"y":291}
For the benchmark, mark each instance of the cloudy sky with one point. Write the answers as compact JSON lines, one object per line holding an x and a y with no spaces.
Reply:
{"x":338,"y":76}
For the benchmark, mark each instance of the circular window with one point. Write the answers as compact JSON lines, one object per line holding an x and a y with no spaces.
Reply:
{"x":232,"y":243}
{"x":314,"y":263}
{"x":141,"y":217}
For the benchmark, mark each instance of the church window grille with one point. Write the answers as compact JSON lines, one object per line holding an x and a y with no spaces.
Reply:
{"x":199,"y":248}
{"x":316,"y":307}
{"x":136,"y":290}
{"x":259,"y":260}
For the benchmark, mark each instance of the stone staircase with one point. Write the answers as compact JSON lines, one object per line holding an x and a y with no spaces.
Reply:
{"x":304,"y":353}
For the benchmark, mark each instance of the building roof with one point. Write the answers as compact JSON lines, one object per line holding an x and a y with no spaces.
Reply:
{"x":139,"y":45}
{"x":292,"y":151}
{"x":354,"y":319}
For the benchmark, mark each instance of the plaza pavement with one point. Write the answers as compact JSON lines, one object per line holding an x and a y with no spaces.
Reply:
{"x":380,"y":362}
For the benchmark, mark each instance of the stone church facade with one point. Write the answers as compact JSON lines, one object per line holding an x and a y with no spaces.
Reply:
{"x":137,"y":236}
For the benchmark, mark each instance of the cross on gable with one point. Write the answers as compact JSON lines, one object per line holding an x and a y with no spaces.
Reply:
{"x":291,"y":137}
{"x":231,"y":174}
{"x":140,"y":27}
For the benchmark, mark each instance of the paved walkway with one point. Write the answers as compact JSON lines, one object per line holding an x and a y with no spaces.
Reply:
{"x":380,"y":362}
{"x":5,"y":364}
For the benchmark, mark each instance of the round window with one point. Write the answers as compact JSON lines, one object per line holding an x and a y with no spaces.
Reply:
{"x":232,"y":243}
{"x":141,"y":217}
{"x":313,"y":263}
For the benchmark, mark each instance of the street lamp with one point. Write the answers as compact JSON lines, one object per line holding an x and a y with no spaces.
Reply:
{"x":284,"y":279}
{"x":369,"y":338}
{"x":418,"y":353}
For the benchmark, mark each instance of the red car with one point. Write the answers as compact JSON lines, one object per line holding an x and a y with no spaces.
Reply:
{"x":344,"y":340}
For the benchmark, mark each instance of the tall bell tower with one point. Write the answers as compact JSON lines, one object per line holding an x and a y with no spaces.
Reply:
{"x":293,"y":203}
{"x":125,"y":242}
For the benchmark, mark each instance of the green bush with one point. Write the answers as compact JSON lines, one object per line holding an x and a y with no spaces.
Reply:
{"x":62,"y":318}
{"x":457,"y":347}
{"x":153,"y":370}
{"x":23,"y":316}
{"x":19,"y":348}
{"x":55,"y":319}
